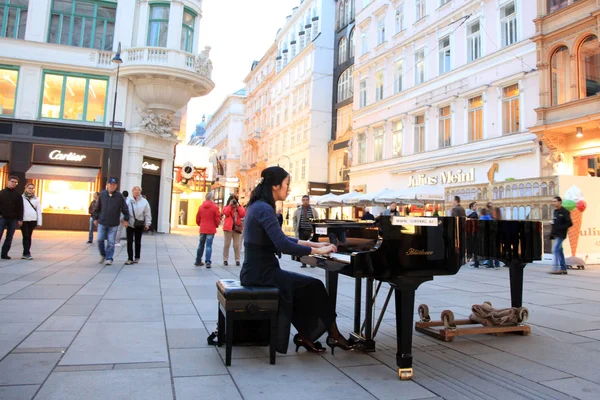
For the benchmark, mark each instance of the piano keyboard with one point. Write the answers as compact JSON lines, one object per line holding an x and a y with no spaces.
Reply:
{"x":345,"y":258}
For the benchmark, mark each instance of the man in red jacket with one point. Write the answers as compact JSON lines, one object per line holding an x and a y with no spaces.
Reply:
{"x":207,"y":218}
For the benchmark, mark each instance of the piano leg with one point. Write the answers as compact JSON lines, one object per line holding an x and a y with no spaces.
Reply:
{"x":331,"y":283}
{"x":357,"y":303}
{"x":516,"y":283}
{"x":405,"y":307}
{"x":369,"y":310}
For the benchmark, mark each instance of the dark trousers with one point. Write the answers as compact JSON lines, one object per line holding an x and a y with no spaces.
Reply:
{"x":10,"y":225}
{"x":137,"y":234}
{"x":27,"y":231}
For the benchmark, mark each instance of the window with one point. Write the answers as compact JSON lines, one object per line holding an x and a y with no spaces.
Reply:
{"x":158,"y":25}
{"x":342,"y":15}
{"x":187,"y":31}
{"x":378,"y":144}
{"x":379,"y":86}
{"x":344,"y":120}
{"x":398,"y":68}
{"x":83,"y":23}
{"x":555,"y":5}
{"x":445,"y":127}
{"x":303,"y":174}
{"x":362,"y":148}
{"x":74,"y":97}
{"x":364,"y":43}
{"x":399,"y":18}
{"x":420,"y":7}
{"x":342,"y":50}
{"x":510,"y":109}
{"x":474,"y":41}
{"x":560,"y":74}
{"x":419,"y":67}
{"x":508,"y":24}
{"x":444,"y":54}
{"x":420,"y":133}
{"x":352,"y":44}
{"x":398,"y":128}
{"x":9,"y":78}
{"x":380,"y":31}
{"x":363,"y":94}
{"x":350,"y":10}
{"x":345,"y":85}
{"x":475,"y":118}
{"x":589,"y":67}
{"x":13,"y":18}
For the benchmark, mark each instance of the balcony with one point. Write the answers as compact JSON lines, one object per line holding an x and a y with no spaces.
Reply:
{"x":166,"y":79}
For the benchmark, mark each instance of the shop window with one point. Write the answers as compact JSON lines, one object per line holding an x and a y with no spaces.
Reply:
{"x":158,"y":25}
{"x":13,"y":18}
{"x":536,"y":189}
{"x":55,"y":200}
{"x":74,"y":97}
{"x":83,"y":23}
{"x":551,"y":189}
{"x":187,"y":31}
{"x":9,"y":78}
{"x":589,"y":67}
{"x":560,"y":74}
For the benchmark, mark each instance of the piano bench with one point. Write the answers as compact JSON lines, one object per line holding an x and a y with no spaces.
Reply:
{"x":250,"y":303}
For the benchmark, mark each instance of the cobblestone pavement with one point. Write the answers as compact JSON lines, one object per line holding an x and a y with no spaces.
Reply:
{"x":71,"y":328}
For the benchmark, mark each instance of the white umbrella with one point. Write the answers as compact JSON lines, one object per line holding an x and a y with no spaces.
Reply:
{"x":329,"y":200}
{"x":370,"y":198}
{"x":350,"y":198}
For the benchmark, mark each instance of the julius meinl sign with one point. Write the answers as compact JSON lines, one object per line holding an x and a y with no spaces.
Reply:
{"x":444,"y":178}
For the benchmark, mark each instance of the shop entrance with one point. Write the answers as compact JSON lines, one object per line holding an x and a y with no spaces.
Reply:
{"x":151,"y":189}
{"x":183,"y":218}
{"x":587,"y":165}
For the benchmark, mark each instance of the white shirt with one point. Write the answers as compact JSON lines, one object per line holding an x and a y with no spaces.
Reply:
{"x":31,"y":214}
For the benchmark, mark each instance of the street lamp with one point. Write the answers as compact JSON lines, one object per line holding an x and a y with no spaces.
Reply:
{"x":115,"y":60}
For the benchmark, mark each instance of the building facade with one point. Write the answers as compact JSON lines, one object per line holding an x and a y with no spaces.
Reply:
{"x":58,"y":91}
{"x":223,"y":135}
{"x":288,"y":109}
{"x":444,"y":92}
{"x":343,"y":95}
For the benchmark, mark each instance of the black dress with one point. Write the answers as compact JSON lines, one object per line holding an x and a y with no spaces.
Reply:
{"x":303,"y":301}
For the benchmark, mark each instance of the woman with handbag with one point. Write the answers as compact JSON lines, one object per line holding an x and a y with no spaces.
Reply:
{"x":32,"y":218}
{"x":140,"y":220}
{"x":232,"y":229}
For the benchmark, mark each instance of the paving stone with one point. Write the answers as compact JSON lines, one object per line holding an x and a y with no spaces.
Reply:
{"x":187,"y":338}
{"x":63,"y":323}
{"x":183,"y":322}
{"x":141,"y":384}
{"x":121,"y":342}
{"x":13,"y":287}
{"x":176,"y":300}
{"x":196,"y":362}
{"x":75,"y":310}
{"x":522,"y":367}
{"x":27,"y":369}
{"x":11,"y":334}
{"x":179,"y":309}
{"x":48,"y":339}
{"x":576,"y":387}
{"x":38,"y":291}
{"x":23,"y":392}
{"x":13,"y":310}
{"x":127,"y":311}
{"x":206,"y":388}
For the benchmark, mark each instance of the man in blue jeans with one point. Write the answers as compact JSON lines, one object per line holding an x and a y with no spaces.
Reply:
{"x":561,"y":222}
{"x":91,"y":211}
{"x":107,"y":217}
{"x":208,"y":219}
{"x":11,"y":213}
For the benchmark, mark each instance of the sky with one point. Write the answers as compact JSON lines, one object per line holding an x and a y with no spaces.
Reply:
{"x":239,"y":32}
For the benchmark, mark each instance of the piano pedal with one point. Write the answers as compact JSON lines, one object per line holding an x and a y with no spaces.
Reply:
{"x":405,"y":374}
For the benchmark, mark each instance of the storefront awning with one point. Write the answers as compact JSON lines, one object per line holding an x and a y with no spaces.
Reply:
{"x":52,"y":172}
{"x":2,"y":164}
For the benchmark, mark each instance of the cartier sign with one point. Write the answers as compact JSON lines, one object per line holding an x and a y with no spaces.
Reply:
{"x":444,"y":178}
{"x":151,"y":166}
{"x":64,"y":155}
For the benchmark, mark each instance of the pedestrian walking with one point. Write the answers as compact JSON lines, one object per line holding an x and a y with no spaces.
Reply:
{"x":561,"y":222}
{"x":458,"y":210}
{"x":232,"y":229}
{"x":11,"y":214}
{"x":471,"y":212}
{"x":91,"y":209}
{"x":280,"y":217}
{"x":208,"y":218}
{"x":125,"y":194}
{"x":32,"y":218}
{"x":302,"y":224}
{"x":392,"y":211}
{"x":140,"y":219}
{"x":107,"y":217}
{"x":488,"y":215}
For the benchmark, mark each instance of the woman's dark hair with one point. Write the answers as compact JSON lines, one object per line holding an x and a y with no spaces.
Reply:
{"x":232,"y":197}
{"x":484,"y":212}
{"x":272,"y":176}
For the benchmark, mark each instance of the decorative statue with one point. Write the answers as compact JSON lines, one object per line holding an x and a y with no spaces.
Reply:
{"x":158,"y":123}
{"x":203,"y":65}
{"x":557,"y":161}
{"x":350,"y":144}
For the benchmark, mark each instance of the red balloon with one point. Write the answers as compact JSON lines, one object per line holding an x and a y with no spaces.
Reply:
{"x":581,"y":205}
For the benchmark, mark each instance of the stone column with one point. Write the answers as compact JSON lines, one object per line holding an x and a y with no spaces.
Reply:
{"x":38,"y":19}
{"x":175,"y":25}
{"x":143,"y":19}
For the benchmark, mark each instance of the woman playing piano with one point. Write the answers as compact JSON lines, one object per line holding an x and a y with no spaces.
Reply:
{"x":303,"y":301}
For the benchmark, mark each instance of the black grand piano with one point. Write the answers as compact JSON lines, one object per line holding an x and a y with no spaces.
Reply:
{"x":407,"y":251}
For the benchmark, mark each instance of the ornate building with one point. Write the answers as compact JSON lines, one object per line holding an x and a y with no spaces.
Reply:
{"x":58,"y":95}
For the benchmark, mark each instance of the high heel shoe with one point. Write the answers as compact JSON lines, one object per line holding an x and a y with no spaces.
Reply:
{"x":333,"y":343}
{"x":316,"y":348}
